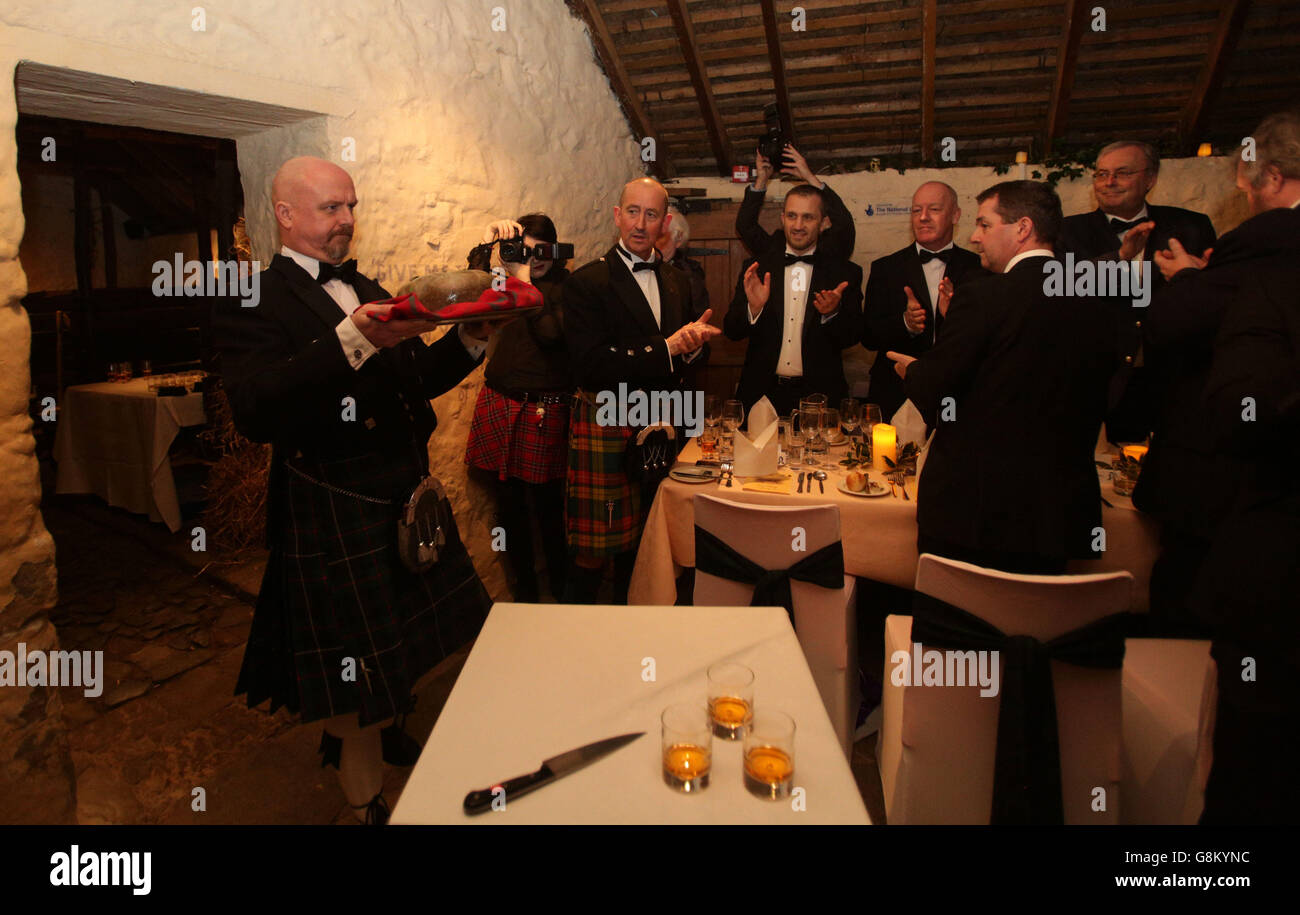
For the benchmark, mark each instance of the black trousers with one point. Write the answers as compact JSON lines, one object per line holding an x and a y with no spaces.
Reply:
{"x":785,"y":393}
{"x":518,"y":503}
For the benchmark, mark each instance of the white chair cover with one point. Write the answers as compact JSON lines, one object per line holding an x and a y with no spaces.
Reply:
{"x":824,"y":620}
{"x":937,"y":745}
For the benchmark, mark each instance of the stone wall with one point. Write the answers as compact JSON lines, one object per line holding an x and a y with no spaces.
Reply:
{"x":445,"y":121}
{"x":1206,"y":185}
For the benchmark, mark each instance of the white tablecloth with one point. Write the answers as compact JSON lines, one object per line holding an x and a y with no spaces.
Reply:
{"x":543,"y":679}
{"x":113,"y":439}
{"x":879,"y":534}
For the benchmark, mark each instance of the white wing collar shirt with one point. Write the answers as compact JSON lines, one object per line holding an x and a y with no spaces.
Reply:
{"x":648,"y":282}
{"x":797,"y":282}
{"x":355,"y":345}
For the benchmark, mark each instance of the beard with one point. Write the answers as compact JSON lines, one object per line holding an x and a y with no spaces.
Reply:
{"x":337,"y":245}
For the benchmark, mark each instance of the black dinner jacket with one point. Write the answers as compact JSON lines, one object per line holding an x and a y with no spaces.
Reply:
{"x":1178,"y":339}
{"x":883,"y":308}
{"x":1257,"y":355}
{"x":1012,"y":470}
{"x":822,"y":343}
{"x":286,"y":377}
{"x":611,"y":331}
{"x":837,"y":241}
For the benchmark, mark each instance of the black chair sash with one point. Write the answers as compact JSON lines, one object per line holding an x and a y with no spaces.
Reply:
{"x":1027,"y":769}
{"x":824,"y":567}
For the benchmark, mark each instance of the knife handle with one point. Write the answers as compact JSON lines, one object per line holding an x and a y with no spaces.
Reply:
{"x":481,"y":801}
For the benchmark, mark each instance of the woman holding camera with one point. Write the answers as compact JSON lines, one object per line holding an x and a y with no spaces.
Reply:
{"x":520,"y":428}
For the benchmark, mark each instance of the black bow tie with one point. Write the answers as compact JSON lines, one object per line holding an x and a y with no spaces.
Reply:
{"x":645,"y":265}
{"x":796,"y":258}
{"x":1119,"y":226}
{"x":945,"y":255}
{"x":346,"y":271}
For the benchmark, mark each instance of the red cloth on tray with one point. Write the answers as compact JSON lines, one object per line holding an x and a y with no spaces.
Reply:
{"x":492,"y":303}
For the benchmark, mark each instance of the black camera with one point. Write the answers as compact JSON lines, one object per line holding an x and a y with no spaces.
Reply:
{"x":514,"y":251}
{"x":772,"y":143}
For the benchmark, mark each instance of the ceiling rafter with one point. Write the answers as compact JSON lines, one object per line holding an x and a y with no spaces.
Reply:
{"x":700,"y":80}
{"x":1226,"y":32}
{"x":1071,"y":35}
{"x":776,"y":60}
{"x":929,"y":35}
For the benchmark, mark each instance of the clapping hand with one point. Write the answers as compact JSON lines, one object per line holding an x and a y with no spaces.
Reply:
{"x":914,"y":314}
{"x":690,"y":337}
{"x":1176,"y":258}
{"x":1135,"y":239}
{"x":828,"y":300}
{"x":945,"y":296}
{"x":755,"y":291}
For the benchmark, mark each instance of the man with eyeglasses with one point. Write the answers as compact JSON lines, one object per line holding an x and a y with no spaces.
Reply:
{"x":1125,"y":227}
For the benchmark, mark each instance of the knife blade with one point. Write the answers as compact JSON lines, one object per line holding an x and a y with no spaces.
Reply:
{"x":556,"y":767}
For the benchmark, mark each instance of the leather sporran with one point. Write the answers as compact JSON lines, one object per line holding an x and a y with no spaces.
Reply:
{"x":650,"y":454}
{"x":422,"y":528}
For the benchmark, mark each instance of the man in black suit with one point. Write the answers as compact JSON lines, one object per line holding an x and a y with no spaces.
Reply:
{"x":1017,"y":376}
{"x":343,"y":629}
{"x":1185,"y":483}
{"x":837,"y":238}
{"x":629,"y":319}
{"x":907,"y":298}
{"x":1250,"y":582}
{"x":815,"y":311}
{"x":1125,"y":227}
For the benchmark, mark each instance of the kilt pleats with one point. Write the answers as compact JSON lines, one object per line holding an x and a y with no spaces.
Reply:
{"x":605,"y":509}
{"x":510,"y":439}
{"x":341,"y":624}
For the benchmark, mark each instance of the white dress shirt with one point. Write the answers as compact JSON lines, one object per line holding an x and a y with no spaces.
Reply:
{"x":356,"y":347}
{"x":934,"y":269}
{"x":1033,"y":252}
{"x":789,"y":362}
{"x":648,"y":282}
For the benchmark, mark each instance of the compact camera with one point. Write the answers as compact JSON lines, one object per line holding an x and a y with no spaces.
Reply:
{"x":514,"y":251}
{"x":772,"y":143}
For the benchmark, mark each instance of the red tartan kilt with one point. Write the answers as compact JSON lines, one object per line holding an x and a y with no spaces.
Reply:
{"x":506,"y":438}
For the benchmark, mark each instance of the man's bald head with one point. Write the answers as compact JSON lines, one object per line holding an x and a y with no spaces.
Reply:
{"x":934,"y":214}
{"x":313,"y":200}
{"x":639,"y":215}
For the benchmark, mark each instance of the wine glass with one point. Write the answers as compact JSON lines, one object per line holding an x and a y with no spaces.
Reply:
{"x":850,"y":413}
{"x":733,"y":414}
{"x":712,"y":410}
{"x":869,"y":419}
{"x":831,"y":425}
{"x":810,"y":427}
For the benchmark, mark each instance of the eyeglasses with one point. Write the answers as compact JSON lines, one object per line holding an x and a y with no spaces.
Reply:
{"x":1123,"y":174}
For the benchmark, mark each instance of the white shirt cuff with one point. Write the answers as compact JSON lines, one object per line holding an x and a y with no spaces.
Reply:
{"x":356,"y":347}
{"x":475,"y":348}
{"x":753,"y":318}
{"x":692,"y":355}
{"x":830,"y":316}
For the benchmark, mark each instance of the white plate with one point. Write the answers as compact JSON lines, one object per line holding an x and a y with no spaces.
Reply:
{"x":869,"y":494}
{"x":681,"y":477}
{"x":838,"y":441}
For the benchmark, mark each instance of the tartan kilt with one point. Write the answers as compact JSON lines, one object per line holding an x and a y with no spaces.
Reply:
{"x":506,"y":438}
{"x":605,"y":509}
{"x":335,"y":589}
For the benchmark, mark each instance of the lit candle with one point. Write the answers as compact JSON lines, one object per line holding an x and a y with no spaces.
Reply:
{"x":884,"y":441}
{"x":1135,"y":452}
{"x":1022,"y":159}
{"x":1204,"y":150}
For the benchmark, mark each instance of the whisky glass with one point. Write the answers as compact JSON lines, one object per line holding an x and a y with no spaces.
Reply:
{"x":769,"y":755}
{"x":731,"y":699}
{"x":687,"y":744}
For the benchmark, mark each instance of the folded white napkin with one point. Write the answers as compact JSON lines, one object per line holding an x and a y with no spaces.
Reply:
{"x":909,"y":423}
{"x":756,"y":452}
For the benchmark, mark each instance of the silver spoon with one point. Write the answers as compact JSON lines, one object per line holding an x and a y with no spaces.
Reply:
{"x":820,"y":477}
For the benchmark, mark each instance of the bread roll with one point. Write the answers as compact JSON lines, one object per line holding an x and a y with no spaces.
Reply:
{"x":856,"y":481}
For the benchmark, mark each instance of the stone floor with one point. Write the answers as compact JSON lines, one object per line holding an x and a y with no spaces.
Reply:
{"x":172,"y":625}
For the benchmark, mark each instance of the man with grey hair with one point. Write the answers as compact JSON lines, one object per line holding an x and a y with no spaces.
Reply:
{"x":1125,"y":227}
{"x":672,"y":247}
{"x":908,"y":291}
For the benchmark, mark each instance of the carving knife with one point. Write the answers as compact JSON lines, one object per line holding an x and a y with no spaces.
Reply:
{"x":553,"y":768}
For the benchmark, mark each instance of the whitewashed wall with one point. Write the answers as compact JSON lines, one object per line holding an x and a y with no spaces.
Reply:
{"x":453,"y":123}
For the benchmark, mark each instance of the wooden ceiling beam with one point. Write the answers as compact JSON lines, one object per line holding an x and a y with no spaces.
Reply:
{"x":929,"y":32}
{"x":1066,"y":54}
{"x":776,"y":60}
{"x":607,"y":52}
{"x":700,"y":81}
{"x":1231,"y":17}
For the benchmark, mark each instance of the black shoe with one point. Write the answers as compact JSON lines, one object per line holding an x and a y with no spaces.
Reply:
{"x":399,"y":747}
{"x":377,"y":811}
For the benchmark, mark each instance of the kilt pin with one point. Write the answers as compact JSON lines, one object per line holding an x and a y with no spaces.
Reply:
{"x":341,"y":626}
{"x":613,"y":337}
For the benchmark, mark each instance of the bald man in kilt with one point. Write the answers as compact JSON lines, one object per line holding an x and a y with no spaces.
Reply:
{"x":343,"y":629}
{"x":629,"y":318}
